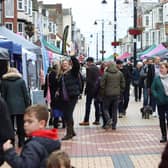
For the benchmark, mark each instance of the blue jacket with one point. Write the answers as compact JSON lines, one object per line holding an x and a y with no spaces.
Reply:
{"x":34,"y":153}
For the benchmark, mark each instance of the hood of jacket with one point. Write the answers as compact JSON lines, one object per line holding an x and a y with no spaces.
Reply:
{"x":11,"y":76}
{"x":47,"y":138}
{"x":112,"y":68}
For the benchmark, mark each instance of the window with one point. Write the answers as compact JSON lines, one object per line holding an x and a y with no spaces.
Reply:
{"x":147,"y":38}
{"x":147,"y":20}
{"x":54,"y":28}
{"x":26,"y":6}
{"x":50,"y":27}
{"x":9,"y":9}
{"x":9,"y":26}
{"x":30,"y":7}
{"x":20,"y":5}
{"x":153,"y":37}
{"x":20,"y":27}
{"x":58,"y":44}
{"x":160,"y":14}
{"x":159,"y":37}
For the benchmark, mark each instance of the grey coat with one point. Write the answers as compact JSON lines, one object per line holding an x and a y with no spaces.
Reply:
{"x":112,"y":82}
{"x":14,"y":92}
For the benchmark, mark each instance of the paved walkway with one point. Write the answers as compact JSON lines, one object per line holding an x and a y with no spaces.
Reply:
{"x":134,"y":144}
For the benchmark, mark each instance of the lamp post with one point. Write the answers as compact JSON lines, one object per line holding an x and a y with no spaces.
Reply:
{"x":102,"y":51}
{"x":134,"y":25}
{"x":115,"y":27}
{"x":135,"y":36}
{"x":103,"y":40}
{"x":97,"y":52}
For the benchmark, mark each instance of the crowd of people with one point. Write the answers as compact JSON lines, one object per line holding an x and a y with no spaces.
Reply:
{"x":107,"y":84}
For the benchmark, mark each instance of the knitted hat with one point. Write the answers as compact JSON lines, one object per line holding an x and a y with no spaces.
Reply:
{"x":119,"y":62}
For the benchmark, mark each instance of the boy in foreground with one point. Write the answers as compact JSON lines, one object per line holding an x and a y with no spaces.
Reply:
{"x":41,"y":142}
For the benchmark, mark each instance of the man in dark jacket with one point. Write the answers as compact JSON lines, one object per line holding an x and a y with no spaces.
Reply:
{"x":124,"y":97}
{"x":40,"y":144}
{"x":92,"y":78}
{"x":6,"y":130}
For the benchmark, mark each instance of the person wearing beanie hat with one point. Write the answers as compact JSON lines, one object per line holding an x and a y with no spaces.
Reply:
{"x":91,"y":90}
{"x":124,"y":96}
{"x":90,"y":59}
{"x":119,"y":62}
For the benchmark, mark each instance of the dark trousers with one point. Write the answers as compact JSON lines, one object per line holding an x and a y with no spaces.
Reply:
{"x":20,"y":128}
{"x":163,"y":112}
{"x":123,"y":102}
{"x":68,"y":108}
{"x":110,"y":105}
{"x":152,"y":102}
{"x":137,"y":92}
{"x":145,"y":96}
{"x":89,"y":99}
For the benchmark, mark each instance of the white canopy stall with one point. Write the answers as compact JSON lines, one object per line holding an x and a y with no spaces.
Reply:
{"x":29,"y":66}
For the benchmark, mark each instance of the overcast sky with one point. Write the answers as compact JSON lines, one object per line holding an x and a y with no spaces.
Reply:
{"x":85,"y":12}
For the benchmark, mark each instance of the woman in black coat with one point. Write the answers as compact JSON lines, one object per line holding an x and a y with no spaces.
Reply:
{"x":69,"y":90}
{"x":14,"y":92}
{"x":6,"y":130}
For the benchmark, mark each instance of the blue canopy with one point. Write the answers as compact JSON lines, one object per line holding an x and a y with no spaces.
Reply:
{"x":12,"y":47}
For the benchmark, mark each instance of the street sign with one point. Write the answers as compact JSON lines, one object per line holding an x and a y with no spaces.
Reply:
{"x":102,"y":51}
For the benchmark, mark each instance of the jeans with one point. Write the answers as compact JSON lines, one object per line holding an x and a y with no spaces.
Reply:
{"x":110,"y":104}
{"x":124,"y":100}
{"x":145,"y":96}
{"x":137,"y":92}
{"x":89,"y":99}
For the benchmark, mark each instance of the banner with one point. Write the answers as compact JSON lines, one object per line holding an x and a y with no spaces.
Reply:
{"x":44,"y":57}
{"x":64,"y":40}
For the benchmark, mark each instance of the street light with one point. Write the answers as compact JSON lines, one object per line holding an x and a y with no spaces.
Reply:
{"x":134,"y":24}
{"x":104,"y":2}
{"x":115,"y":27}
{"x":102,"y":51}
{"x":135,"y":36}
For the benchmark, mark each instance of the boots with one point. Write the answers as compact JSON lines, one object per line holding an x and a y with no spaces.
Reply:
{"x":69,"y":133}
{"x":73,"y":131}
{"x":164,"y":133}
{"x":163,"y":139}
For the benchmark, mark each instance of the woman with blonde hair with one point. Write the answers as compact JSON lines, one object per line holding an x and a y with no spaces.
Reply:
{"x":68,"y":92}
{"x":14,"y":92}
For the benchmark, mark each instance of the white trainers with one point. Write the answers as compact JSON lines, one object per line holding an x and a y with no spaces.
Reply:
{"x":154,"y":114}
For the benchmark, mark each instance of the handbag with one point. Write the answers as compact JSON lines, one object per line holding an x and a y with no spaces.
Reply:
{"x":64,"y":90}
{"x":57,"y":113}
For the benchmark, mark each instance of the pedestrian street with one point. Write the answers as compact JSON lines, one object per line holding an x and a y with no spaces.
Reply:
{"x":134,"y":144}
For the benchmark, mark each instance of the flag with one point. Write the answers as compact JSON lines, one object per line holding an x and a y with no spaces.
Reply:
{"x":64,"y":40}
{"x":44,"y":52}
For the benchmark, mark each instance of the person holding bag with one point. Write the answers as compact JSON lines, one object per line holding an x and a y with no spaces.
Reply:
{"x":68,"y":92}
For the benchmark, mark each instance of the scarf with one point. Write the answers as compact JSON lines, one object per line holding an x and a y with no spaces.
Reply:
{"x":164,"y":80}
